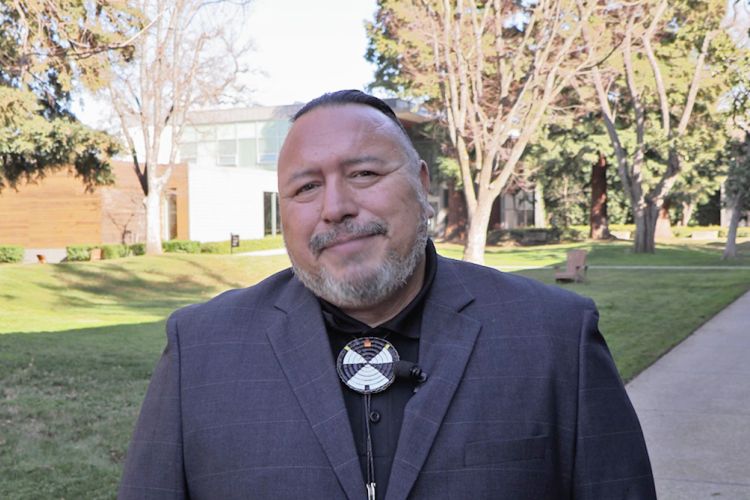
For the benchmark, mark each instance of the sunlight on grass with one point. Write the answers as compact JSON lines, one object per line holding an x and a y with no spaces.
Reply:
{"x":132,"y":290}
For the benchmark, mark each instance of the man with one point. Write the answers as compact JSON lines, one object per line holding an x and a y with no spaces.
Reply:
{"x":503,"y":388}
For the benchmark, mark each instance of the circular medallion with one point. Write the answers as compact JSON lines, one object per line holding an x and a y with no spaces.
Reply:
{"x":366,"y":365}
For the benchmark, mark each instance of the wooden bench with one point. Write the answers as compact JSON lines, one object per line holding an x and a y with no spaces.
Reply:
{"x":575,"y":268}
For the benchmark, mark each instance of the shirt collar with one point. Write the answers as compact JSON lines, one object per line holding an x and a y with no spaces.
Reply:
{"x":340,"y":321}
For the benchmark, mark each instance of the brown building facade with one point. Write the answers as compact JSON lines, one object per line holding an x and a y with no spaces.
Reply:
{"x":57,"y":211}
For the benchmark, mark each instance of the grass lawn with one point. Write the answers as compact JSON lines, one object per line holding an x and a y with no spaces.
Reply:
{"x":78,"y":341}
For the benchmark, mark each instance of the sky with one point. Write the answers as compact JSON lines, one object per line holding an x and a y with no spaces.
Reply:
{"x":308,"y":47}
{"x":302,"y":48}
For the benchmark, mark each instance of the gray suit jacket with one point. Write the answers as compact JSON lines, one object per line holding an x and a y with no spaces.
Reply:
{"x":523,"y":401}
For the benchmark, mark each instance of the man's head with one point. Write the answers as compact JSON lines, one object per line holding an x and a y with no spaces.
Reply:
{"x":353,"y":197}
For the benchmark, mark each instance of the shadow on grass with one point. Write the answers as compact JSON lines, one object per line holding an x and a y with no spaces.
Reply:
{"x":78,"y":285}
{"x":70,"y":400}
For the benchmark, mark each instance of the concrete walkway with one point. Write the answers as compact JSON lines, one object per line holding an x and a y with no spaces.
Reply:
{"x":694,"y":406}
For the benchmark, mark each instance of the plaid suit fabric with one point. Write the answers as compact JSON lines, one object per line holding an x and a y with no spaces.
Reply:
{"x":523,"y":401}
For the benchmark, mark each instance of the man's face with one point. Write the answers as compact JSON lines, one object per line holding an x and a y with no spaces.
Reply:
{"x":353,"y":204}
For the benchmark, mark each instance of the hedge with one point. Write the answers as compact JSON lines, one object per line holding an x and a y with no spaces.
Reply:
{"x":211,"y":247}
{"x":138,"y":249}
{"x":11,"y":253}
{"x":181,"y":246}
{"x":533,"y":235}
{"x":79,"y":253}
{"x":114,"y":251}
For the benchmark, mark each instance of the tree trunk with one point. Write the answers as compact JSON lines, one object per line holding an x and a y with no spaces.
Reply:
{"x":476,"y":239}
{"x":540,"y":211}
{"x":663,"y":223}
{"x":645,"y":228}
{"x":598,"y":219}
{"x":687,"y":212}
{"x":153,"y":222}
{"x":730,"y":249}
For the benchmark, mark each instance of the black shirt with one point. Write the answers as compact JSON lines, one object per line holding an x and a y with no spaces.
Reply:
{"x":387,"y":407}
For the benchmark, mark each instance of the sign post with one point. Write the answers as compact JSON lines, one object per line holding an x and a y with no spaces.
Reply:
{"x":234,"y":240}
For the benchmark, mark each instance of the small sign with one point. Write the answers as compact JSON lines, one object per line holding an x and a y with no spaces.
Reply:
{"x":234,"y":241}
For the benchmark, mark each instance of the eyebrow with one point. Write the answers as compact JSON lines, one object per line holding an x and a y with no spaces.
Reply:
{"x":361,"y":159}
{"x":302,"y":173}
{"x":350,"y":162}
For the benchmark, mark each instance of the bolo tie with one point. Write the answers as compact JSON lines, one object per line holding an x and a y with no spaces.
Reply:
{"x":368,"y":365}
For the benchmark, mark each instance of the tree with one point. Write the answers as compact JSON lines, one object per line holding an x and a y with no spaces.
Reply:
{"x":188,"y":57}
{"x":666,"y":70}
{"x":491,"y":69}
{"x":571,"y":159}
{"x":47,"y":48}
{"x":737,"y":190}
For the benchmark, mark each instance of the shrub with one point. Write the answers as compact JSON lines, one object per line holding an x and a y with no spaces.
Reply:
{"x":213,"y":247}
{"x":570,"y":234}
{"x":181,"y":246}
{"x":524,"y":236}
{"x":79,"y":253}
{"x":11,"y":253}
{"x":138,"y":249}
{"x":114,"y":251}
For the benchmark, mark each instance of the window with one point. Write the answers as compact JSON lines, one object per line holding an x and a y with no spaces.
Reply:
{"x":247,"y":152}
{"x":227,"y":152}
{"x":270,"y":137}
{"x":188,"y":151}
{"x":271,"y":214}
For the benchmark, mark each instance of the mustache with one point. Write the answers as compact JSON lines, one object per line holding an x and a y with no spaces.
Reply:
{"x":346,"y":230}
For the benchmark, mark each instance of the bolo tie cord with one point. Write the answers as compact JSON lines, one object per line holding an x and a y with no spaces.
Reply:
{"x":370,"y":456}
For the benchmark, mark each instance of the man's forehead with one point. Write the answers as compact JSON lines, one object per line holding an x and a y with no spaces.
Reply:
{"x":343,"y":116}
{"x":351,"y":129}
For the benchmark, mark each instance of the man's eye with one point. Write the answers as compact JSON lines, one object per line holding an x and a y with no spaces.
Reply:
{"x":364,"y":173}
{"x":306,"y":187}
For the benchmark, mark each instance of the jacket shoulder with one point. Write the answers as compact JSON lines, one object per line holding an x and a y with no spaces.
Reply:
{"x":237,"y":308}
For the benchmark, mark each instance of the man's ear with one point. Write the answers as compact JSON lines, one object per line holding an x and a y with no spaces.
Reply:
{"x":424,"y":179}
{"x":424,"y":176}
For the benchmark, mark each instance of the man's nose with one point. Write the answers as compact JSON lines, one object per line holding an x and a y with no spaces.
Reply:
{"x":338,"y":203}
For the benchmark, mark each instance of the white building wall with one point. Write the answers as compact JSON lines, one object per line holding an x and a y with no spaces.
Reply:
{"x":226,"y":200}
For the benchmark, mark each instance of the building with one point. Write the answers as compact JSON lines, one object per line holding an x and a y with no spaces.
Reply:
{"x":57,"y":210}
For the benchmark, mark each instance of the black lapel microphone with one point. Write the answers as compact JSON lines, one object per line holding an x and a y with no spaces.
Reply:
{"x":407,"y":369}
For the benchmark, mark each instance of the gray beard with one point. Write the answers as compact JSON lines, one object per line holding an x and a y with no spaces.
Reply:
{"x":365,"y":289}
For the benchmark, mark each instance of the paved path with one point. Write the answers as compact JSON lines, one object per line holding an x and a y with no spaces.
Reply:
{"x":694,"y":406}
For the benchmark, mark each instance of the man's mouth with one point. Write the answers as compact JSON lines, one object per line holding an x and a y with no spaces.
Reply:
{"x":345,"y":233}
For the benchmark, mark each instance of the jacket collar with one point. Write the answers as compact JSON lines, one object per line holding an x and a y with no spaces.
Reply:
{"x":300,"y":343}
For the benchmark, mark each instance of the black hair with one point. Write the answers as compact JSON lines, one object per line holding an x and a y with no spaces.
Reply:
{"x":341,"y":97}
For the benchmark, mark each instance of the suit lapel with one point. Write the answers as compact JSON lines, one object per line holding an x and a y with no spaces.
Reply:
{"x":301,"y":345}
{"x":446,"y":342}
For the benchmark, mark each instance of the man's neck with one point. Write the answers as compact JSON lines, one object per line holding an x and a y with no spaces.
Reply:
{"x":383,"y":311}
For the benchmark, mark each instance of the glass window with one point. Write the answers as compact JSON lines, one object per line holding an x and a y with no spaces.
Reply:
{"x":247,"y":152}
{"x":188,"y":134}
{"x":205,"y":132}
{"x":225,"y":131}
{"x":246,"y":130}
{"x":271,"y":214}
{"x":188,"y":151}
{"x":271,"y":135}
{"x":227,"y":152}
